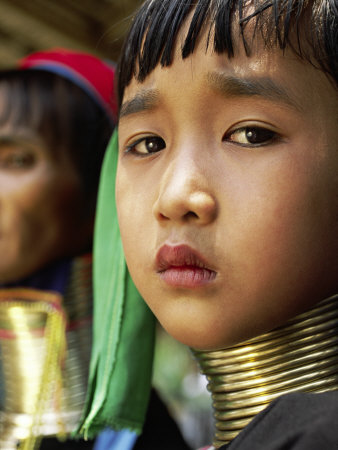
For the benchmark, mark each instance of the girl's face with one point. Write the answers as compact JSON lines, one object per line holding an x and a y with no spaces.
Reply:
{"x":227,"y":192}
{"x":41,"y":204}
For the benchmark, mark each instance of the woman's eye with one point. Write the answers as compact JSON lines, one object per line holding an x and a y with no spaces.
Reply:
{"x":251,"y":136}
{"x":146,"y":145}
{"x":17,"y":160}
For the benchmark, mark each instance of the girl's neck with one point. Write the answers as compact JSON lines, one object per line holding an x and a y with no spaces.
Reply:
{"x":301,"y":356}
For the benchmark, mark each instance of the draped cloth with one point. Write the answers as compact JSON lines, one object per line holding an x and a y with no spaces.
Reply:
{"x":123,"y":329}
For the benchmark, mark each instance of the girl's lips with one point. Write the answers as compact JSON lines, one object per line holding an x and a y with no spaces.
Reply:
{"x":181,"y":266}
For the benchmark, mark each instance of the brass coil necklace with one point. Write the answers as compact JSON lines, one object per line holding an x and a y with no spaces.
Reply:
{"x":43,"y":386}
{"x":301,"y":356}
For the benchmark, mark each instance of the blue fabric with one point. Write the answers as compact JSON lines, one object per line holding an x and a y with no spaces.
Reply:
{"x":115,"y":440}
{"x":53,"y":277}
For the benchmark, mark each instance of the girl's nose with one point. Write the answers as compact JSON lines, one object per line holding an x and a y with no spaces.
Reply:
{"x":185,"y":194}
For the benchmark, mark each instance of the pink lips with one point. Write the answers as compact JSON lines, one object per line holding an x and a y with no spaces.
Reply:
{"x":181,"y":266}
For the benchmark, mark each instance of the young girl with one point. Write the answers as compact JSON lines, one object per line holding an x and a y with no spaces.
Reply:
{"x":227,"y":203}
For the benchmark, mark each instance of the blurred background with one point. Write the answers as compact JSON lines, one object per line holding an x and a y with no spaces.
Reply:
{"x":183,"y":389}
{"x":98,"y":26}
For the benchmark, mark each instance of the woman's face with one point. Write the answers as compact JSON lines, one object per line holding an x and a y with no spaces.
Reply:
{"x":41,"y":204}
{"x":227,"y":192}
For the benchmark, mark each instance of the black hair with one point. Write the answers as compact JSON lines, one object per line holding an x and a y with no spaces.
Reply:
{"x":309,"y":27}
{"x":63,"y":114}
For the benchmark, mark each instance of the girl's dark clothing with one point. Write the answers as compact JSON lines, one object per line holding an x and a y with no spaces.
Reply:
{"x":160,"y":432}
{"x":293,"y":422}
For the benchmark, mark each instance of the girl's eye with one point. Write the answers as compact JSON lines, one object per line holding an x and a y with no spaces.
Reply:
{"x":251,"y":136}
{"x":146,"y":145}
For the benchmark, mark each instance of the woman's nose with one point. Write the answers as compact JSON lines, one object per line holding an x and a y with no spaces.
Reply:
{"x":186,"y":194}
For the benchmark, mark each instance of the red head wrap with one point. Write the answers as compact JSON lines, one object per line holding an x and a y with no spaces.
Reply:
{"x":90,"y":73}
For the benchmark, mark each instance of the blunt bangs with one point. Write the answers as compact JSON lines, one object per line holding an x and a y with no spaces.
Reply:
{"x":308,"y":27}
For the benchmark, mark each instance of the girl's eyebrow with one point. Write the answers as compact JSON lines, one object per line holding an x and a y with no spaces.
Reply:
{"x":224,"y":84}
{"x":144,"y":100}
{"x":231,"y":86}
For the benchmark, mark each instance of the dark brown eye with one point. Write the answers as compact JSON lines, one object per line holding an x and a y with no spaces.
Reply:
{"x":258,"y":135}
{"x":251,"y":136}
{"x":147,"y":145}
{"x":154,"y":144}
{"x":16,"y":159}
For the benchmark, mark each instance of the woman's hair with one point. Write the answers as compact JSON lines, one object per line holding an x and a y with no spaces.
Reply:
{"x":309,"y":27}
{"x":66,"y":118}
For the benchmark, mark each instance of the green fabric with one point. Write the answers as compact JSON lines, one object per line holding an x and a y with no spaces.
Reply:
{"x":123,"y":339}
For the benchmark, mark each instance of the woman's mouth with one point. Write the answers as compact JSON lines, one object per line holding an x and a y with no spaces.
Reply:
{"x":181,"y":266}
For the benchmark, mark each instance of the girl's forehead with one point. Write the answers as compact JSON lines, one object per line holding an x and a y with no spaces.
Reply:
{"x":265,"y":70}
{"x":164,"y":27}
